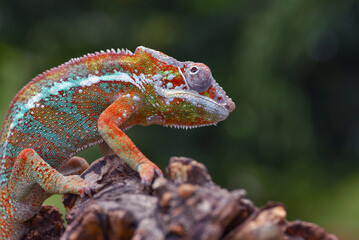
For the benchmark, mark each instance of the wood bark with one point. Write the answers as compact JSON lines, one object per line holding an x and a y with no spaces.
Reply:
{"x":185,"y":205}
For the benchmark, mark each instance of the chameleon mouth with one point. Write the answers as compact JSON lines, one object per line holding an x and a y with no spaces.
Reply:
{"x":209,"y":105}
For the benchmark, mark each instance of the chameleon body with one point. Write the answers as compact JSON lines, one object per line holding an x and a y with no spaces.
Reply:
{"x":92,"y":100}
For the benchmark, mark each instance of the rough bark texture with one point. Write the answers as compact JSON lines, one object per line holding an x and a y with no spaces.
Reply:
{"x":185,"y":205}
{"x":46,"y":225}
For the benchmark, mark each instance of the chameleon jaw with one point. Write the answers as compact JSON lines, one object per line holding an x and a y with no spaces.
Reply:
{"x":196,"y":99}
{"x":186,"y":127}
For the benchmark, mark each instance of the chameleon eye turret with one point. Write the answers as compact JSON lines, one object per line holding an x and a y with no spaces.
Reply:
{"x":198,"y":77}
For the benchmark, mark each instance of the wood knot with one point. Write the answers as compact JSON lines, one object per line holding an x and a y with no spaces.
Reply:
{"x":185,"y":190}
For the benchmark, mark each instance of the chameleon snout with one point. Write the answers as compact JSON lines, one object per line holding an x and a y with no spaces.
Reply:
{"x":229,"y":105}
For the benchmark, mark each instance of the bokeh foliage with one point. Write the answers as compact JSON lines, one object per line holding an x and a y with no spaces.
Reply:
{"x":290,"y":66}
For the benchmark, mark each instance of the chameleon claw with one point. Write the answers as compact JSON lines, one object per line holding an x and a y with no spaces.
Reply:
{"x":148,"y":173}
{"x":159,"y":173}
{"x":76,"y":185}
{"x":146,"y":184}
{"x":87,"y":191}
{"x":145,"y":181}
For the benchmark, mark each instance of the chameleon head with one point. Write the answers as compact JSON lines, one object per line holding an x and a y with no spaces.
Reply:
{"x":199,"y":79}
{"x":189,"y":94}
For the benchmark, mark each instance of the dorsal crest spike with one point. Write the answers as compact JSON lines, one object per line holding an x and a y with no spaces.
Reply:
{"x":82,"y":58}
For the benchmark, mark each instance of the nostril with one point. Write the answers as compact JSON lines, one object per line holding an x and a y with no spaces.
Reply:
{"x":230,"y":105}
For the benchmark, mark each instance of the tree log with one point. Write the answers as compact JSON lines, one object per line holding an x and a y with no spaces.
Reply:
{"x":185,"y":205}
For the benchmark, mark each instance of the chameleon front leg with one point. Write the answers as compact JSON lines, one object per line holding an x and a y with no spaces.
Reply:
{"x":31,"y":180}
{"x":108,"y":126}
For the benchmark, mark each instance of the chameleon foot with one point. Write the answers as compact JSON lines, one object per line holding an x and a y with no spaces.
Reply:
{"x":148,"y":172}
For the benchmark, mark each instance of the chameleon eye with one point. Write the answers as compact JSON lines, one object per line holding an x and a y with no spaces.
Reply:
{"x":198,"y":77}
{"x":194,"y":70}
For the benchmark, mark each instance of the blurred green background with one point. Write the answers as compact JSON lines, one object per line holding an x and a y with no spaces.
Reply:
{"x":291,"y":67}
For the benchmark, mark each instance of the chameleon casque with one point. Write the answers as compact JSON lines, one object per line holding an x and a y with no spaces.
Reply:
{"x":92,"y":100}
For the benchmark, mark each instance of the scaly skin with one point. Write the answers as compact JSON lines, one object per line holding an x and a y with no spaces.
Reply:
{"x":92,"y":100}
